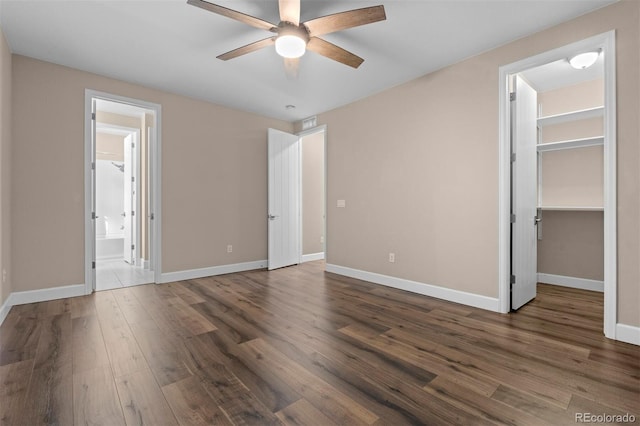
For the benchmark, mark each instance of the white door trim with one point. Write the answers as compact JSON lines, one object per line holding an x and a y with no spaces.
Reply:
{"x":156,"y":181}
{"x":606,"y":42}
{"x":322,"y":128}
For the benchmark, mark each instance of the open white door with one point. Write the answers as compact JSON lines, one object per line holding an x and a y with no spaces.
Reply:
{"x":524,"y":256}
{"x":93,"y":194}
{"x":284,"y":199}
{"x":151,"y":154}
{"x":129,"y":200}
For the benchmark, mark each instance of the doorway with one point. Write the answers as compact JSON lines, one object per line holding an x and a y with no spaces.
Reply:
{"x":296,"y":192}
{"x":313,"y":194}
{"x":522,"y":217}
{"x":120,"y":251}
{"x":121,"y":185}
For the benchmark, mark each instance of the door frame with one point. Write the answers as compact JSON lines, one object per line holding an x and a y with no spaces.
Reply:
{"x":606,"y":42}
{"x":155,"y":166}
{"x":322,"y":128}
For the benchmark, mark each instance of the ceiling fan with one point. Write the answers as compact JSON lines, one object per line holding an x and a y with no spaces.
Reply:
{"x":294,"y":37}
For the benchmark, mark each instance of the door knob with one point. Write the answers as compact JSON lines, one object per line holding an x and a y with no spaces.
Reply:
{"x":272,"y":216}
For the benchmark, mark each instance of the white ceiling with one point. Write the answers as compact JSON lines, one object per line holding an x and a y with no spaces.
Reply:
{"x":169,"y":45}
{"x":560,"y":74}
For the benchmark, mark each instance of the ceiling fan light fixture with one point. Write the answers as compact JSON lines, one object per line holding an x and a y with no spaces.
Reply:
{"x":290,"y":46}
{"x":584,"y":60}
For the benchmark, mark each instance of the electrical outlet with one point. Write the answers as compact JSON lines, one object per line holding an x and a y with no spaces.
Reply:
{"x":322,"y":238}
{"x":392,"y":257}
{"x":229,"y":248}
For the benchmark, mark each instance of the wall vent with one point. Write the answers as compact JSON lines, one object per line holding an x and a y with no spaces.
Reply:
{"x":309,"y":123}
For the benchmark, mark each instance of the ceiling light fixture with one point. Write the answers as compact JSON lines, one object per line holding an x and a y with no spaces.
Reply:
{"x":292,"y":37}
{"x":292,"y":40}
{"x":290,"y":46}
{"x":584,"y":60}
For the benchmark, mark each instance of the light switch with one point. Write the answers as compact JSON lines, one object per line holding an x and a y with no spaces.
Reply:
{"x":342,"y":203}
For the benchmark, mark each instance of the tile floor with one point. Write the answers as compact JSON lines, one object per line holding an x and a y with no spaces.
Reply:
{"x":117,"y":273}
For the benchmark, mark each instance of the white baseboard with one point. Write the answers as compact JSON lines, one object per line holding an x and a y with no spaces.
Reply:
{"x":573,"y":282}
{"x":42,"y":295}
{"x":168,"y":277}
{"x":628,"y":334}
{"x":470,"y":299}
{"x":109,"y":258}
{"x":4,"y":310}
{"x":46,"y":294}
{"x":311,"y":257}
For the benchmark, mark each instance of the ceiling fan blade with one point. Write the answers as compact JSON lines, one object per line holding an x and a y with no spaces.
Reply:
{"x":334,"y":52}
{"x":291,"y":67}
{"x":230,"y":13}
{"x":290,"y":11}
{"x":251,"y":47}
{"x":343,"y":20}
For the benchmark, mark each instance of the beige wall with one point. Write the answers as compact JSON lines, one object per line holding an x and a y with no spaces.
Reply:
{"x":572,"y":244}
{"x":313,"y":193}
{"x":418,"y":167}
{"x":119,"y":120}
{"x":109,"y":147}
{"x":588,"y":128}
{"x":573,"y":177}
{"x":5,"y":169}
{"x":214,"y":165}
{"x":584,"y":95}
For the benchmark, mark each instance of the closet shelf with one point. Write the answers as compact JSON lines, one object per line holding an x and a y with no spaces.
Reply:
{"x":571,"y":116}
{"x":573,"y":143}
{"x":572,"y":208}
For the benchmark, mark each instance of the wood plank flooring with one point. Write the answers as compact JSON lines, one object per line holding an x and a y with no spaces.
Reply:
{"x":300,"y":346}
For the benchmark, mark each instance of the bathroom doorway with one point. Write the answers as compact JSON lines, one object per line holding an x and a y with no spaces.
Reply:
{"x":122,"y":242}
{"x":118,"y":205}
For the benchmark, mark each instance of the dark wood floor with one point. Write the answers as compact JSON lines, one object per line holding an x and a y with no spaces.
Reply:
{"x":300,"y":346}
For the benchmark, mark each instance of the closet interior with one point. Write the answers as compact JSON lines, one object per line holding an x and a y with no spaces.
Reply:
{"x":570,"y":174}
